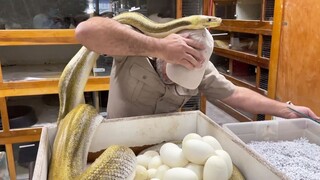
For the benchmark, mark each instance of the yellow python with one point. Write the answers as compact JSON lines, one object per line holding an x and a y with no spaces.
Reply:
{"x":77,"y":121}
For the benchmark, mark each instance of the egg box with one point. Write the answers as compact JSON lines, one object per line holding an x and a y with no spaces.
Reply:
{"x":144,"y":131}
{"x":274,"y":130}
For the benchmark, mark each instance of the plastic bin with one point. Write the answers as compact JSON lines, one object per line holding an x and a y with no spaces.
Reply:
{"x":154,"y":129}
{"x":274,"y":130}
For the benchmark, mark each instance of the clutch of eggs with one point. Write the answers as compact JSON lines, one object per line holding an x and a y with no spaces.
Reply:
{"x":196,"y":158}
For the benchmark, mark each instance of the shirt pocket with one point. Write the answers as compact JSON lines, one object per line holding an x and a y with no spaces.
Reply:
{"x":181,"y":91}
{"x":148,"y":87}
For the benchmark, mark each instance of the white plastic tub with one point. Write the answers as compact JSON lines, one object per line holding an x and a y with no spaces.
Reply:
{"x":274,"y":130}
{"x":154,"y":129}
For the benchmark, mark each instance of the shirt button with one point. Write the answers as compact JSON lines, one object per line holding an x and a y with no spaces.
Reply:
{"x":144,"y":77}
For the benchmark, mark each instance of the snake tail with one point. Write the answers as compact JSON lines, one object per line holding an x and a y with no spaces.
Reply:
{"x":115,"y":163}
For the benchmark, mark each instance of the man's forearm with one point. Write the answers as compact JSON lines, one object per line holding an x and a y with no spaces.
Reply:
{"x":107,"y":36}
{"x":255,"y":103}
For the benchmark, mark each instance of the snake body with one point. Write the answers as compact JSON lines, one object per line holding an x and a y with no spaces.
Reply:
{"x":77,"y":122}
{"x":161,"y":30}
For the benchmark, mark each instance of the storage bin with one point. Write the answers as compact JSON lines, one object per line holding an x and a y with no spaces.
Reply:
{"x":274,"y":130}
{"x":154,"y":129}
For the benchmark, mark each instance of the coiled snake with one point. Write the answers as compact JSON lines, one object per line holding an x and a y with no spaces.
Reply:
{"x":77,"y":121}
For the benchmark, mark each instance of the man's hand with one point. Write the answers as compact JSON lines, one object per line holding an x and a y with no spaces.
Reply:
{"x":180,"y":49}
{"x":303,"y":110}
{"x":255,"y":103}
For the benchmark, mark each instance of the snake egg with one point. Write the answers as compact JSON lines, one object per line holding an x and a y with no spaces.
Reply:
{"x":180,"y":173}
{"x":161,"y":171}
{"x":226,"y":157}
{"x":213,"y":142}
{"x":197,"y":151}
{"x":215,"y":169}
{"x":172,"y":155}
{"x":196,"y":168}
{"x":155,"y":162}
{"x":191,"y":136}
{"x":151,"y":173}
{"x":141,"y":173}
{"x":151,"y":153}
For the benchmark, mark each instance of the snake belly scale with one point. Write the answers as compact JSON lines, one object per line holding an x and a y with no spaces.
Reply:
{"x":77,"y":121}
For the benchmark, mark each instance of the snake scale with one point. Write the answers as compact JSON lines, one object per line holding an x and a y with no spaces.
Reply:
{"x":77,"y":121}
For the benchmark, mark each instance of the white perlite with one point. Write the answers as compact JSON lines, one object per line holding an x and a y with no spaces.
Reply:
{"x":298,"y":159}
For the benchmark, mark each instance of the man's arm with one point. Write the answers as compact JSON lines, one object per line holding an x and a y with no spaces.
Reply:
{"x":250,"y":101}
{"x":107,"y":36}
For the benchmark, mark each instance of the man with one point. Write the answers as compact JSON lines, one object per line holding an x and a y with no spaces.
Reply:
{"x":140,"y":85}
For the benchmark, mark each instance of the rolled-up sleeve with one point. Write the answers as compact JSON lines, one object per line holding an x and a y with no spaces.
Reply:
{"x":214,"y":85}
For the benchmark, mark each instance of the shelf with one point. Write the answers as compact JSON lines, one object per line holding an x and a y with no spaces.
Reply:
{"x":32,"y":72}
{"x":20,"y":135}
{"x":41,"y":79}
{"x":246,"y":26}
{"x":48,"y":86}
{"x":233,"y":112}
{"x":37,"y":37}
{"x":244,"y":83}
{"x":243,"y":57}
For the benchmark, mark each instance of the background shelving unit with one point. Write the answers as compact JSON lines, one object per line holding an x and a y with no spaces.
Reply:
{"x":13,"y":88}
{"x":243,"y":45}
{"x":273,"y":70}
{"x":15,"y":85}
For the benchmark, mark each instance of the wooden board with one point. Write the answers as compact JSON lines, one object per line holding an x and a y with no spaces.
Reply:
{"x":37,"y":37}
{"x":299,"y":60}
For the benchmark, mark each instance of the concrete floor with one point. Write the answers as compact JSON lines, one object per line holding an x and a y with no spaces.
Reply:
{"x":218,"y":115}
{"x":47,"y":112}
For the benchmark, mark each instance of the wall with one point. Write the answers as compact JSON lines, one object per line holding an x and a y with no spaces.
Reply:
{"x":299,"y":59}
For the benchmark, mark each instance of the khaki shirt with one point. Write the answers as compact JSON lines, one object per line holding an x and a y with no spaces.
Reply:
{"x":136,"y":89}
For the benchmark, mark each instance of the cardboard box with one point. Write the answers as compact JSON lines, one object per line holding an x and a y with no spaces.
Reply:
{"x":154,"y":129}
{"x":274,"y":130}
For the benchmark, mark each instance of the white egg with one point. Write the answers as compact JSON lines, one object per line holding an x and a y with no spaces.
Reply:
{"x":215,"y":169}
{"x":155,"y":179}
{"x":197,"y":151}
{"x":172,"y":155}
{"x":141,"y":173}
{"x":180,"y":173}
{"x":212,"y":141}
{"x":151,"y":153}
{"x":151,"y":173}
{"x":155,"y":162}
{"x":143,"y":160}
{"x":161,"y":171}
{"x":227,"y":159}
{"x":191,"y":136}
{"x":196,"y":168}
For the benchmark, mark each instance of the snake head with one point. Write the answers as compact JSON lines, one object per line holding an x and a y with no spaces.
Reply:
{"x":206,"y":21}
